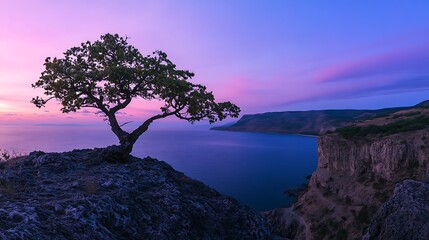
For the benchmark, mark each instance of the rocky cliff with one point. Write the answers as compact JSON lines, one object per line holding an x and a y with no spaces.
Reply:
{"x":403,"y":217}
{"x":78,"y":195}
{"x":355,"y":175}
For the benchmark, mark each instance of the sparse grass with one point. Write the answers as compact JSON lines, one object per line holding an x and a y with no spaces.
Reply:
{"x":6,"y":155}
{"x":405,"y":125}
{"x":11,"y":185}
{"x":406,"y":114}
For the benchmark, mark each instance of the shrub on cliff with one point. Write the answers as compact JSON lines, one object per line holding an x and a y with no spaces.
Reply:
{"x":9,"y":154}
{"x":4,"y":155}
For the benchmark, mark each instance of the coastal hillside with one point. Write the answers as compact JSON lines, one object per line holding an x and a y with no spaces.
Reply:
{"x":313,"y":122}
{"x":358,"y":169}
{"x":78,"y":195}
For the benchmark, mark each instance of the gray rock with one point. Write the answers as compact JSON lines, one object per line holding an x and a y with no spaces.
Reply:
{"x":78,"y":195}
{"x":59,"y":209}
{"x":405,"y":216}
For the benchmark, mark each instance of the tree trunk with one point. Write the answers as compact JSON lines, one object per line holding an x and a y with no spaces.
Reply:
{"x":117,"y":153}
{"x":120,"y":153}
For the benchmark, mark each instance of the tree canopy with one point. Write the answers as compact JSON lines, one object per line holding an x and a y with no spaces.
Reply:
{"x":109,"y":73}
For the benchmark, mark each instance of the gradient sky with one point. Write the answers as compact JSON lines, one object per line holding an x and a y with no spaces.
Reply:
{"x":262,"y":55}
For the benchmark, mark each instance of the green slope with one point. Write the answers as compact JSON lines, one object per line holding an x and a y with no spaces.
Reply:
{"x":313,"y":122}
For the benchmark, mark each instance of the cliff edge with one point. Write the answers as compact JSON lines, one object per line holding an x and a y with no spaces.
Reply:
{"x":357,"y":171}
{"x":78,"y":195}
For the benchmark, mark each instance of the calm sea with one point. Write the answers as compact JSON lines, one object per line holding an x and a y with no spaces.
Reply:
{"x":255,"y":168}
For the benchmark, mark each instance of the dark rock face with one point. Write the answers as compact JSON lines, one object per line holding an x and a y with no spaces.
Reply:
{"x":78,"y":195}
{"x":404,"y":216}
{"x":384,"y":157}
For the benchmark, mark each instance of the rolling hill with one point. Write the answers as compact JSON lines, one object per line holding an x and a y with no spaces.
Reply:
{"x":314,"y":122}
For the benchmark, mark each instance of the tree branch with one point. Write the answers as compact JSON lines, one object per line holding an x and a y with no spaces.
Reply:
{"x":40,"y":102}
{"x":98,"y":102}
{"x":121,"y":105}
{"x":125,"y":123}
{"x":143,"y":128}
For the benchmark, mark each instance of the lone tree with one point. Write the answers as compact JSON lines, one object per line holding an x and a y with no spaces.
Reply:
{"x":109,"y":73}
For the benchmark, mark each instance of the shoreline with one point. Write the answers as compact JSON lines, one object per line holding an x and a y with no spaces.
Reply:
{"x":280,"y":133}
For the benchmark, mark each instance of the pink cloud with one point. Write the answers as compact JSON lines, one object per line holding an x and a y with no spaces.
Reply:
{"x":406,"y":62}
{"x":238,"y":63}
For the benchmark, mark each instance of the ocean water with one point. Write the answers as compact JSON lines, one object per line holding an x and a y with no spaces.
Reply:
{"x":254,"y":168}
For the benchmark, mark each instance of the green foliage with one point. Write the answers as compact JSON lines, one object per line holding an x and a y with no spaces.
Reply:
{"x":109,"y":73}
{"x":404,"y":125}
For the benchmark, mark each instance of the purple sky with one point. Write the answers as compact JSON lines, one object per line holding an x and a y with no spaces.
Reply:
{"x":262,"y":55}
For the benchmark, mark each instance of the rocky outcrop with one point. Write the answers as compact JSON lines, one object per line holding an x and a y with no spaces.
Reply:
{"x":78,"y":195}
{"x":405,"y":216}
{"x":354,"y":177}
